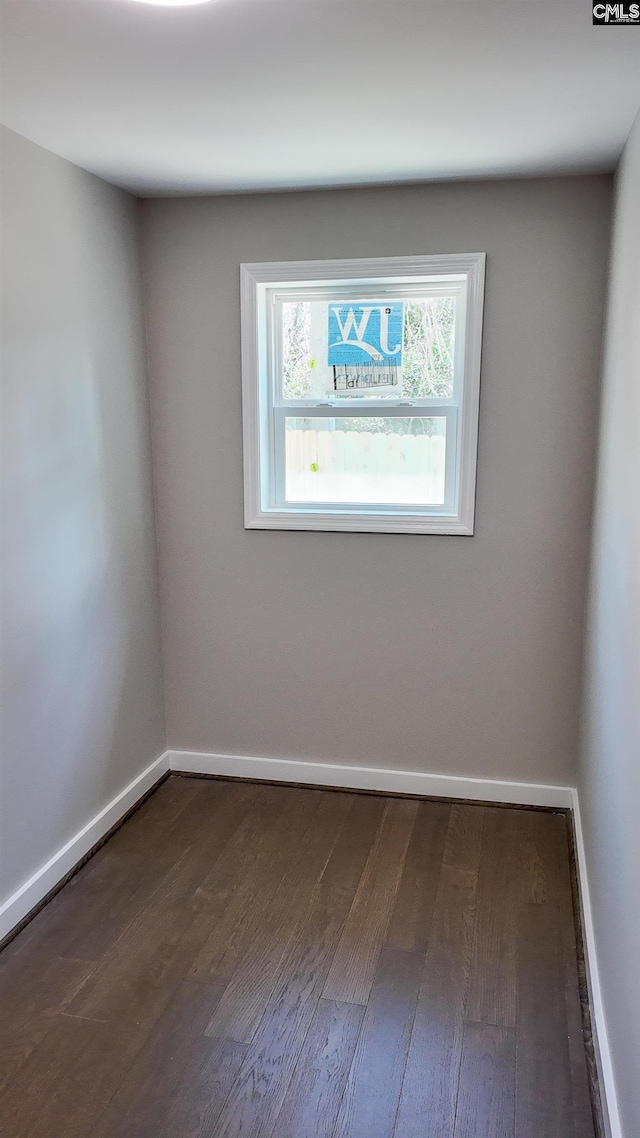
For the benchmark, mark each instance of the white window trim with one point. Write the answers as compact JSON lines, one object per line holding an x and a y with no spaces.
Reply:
{"x":254,"y":280}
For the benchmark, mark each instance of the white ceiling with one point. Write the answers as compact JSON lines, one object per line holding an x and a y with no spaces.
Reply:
{"x":257,"y":94}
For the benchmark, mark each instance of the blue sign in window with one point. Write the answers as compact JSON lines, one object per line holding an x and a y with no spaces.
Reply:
{"x":366,"y":333}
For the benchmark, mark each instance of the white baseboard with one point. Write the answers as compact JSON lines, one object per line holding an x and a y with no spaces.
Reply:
{"x":599,"y":1024}
{"x":370,"y":778}
{"x":20,"y":903}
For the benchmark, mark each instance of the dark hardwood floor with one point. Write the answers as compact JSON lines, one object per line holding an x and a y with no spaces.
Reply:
{"x":254,"y":961}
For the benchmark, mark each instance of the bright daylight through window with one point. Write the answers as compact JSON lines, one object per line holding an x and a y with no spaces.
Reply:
{"x":360,"y":393}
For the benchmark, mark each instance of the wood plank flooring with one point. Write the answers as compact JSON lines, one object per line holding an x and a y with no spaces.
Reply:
{"x":252,"y":961}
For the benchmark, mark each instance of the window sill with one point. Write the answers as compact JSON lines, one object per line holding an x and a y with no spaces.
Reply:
{"x":360,"y":523}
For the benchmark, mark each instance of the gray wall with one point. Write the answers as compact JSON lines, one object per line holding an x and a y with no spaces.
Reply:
{"x":82,"y":706}
{"x":443,"y":654}
{"x":609,"y":776}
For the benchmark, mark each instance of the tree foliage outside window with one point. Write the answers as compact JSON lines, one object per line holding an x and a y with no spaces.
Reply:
{"x":427,"y":360}
{"x":296,"y":349}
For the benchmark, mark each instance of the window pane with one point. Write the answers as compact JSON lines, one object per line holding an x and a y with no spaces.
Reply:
{"x":392,"y":460}
{"x":297,"y":362}
{"x":352,"y":349}
{"x":429,"y":326}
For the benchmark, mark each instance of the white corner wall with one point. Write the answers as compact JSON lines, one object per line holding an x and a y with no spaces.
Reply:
{"x":609,"y":774}
{"x":82,"y":698}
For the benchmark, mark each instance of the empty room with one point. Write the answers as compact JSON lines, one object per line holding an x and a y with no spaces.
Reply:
{"x":320,"y":568}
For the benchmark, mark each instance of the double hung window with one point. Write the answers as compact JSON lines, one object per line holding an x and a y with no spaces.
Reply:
{"x":360,"y":393}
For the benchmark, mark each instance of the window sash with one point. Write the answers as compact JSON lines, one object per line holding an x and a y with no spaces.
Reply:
{"x":431,"y":287}
{"x":276,"y":488}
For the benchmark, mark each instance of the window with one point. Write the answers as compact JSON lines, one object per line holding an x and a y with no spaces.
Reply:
{"x":360,"y":393}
